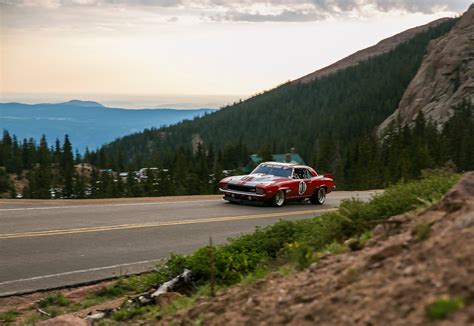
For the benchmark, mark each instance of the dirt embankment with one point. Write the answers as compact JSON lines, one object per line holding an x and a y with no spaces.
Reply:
{"x":412,"y":262}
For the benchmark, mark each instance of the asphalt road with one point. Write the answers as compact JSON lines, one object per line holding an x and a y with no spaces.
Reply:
{"x":46,"y":244}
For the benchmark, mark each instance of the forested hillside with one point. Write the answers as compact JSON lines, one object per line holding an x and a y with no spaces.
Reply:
{"x":325,"y":120}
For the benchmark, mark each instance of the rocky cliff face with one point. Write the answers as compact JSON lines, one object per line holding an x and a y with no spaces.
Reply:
{"x":382,"y":47}
{"x":445,"y":78}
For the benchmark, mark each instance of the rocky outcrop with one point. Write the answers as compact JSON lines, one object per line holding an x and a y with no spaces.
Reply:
{"x":382,"y":47}
{"x":414,"y":262}
{"x":445,"y":78}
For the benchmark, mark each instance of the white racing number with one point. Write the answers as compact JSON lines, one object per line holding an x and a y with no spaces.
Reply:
{"x":302,"y":188}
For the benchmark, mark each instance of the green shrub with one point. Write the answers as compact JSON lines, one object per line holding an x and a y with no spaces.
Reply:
{"x":230,"y":264}
{"x":335,"y":248}
{"x":268,"y":240}
{"x":443,"y":307}
{"x":299,"y":255}
{"x":54,"y":299}
{"x":366,"y":236}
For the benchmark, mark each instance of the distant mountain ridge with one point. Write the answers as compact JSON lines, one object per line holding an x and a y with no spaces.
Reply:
{"x":89,"y":124}
{"x":83,"y":103}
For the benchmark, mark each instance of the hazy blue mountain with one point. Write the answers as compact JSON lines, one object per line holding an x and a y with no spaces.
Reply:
{"x":88,"y":124}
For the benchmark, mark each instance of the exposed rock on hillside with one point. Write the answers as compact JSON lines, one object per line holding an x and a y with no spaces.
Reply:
{"x":383,"y":46}
{"x":445,"y":78}
{"x":413,"y":262}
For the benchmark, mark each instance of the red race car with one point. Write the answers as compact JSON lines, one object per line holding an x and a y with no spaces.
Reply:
{"x":276,"y":183}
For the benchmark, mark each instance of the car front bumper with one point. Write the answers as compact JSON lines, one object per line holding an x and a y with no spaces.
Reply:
{"x":244,"y":195}
{"x":244,"y":200}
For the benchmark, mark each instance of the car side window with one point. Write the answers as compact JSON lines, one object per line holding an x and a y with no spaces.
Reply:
{"x":302,"y":174}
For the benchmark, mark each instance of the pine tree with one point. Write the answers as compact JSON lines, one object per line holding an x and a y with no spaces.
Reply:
{"x":67,"y":168}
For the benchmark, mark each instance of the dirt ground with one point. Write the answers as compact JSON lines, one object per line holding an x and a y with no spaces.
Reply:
{"x":26,"y":305}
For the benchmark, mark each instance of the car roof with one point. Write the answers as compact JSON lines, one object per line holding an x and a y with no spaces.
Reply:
{"x":293,"y":165}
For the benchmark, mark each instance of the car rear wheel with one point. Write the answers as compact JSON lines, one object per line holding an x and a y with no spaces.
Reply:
{"x":279,"y":198}
{"x":319,"y":196}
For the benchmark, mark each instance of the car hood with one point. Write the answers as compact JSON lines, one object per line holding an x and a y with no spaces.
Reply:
{"x":255,"y":179}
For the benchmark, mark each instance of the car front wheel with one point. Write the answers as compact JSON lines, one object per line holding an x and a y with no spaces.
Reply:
{"x":279,"y":198}
{"x":319,"y":197}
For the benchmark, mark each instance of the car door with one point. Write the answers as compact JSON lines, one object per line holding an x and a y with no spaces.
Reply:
{"x":312,"y":183}
{"x":299,"y":188}
{"x":309,"y":187}
{"x":292,"y":185}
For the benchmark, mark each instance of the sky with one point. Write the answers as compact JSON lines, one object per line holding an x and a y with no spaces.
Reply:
{"x":186,"y":53}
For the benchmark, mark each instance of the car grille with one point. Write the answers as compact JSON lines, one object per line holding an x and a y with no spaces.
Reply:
{"x":241,"y":188}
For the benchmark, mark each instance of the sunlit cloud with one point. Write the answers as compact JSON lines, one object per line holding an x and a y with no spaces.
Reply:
{"x":229,"y":10}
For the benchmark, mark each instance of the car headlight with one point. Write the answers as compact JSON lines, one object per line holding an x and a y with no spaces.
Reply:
{"x":259,"y":191}
{"x":224,"y":186}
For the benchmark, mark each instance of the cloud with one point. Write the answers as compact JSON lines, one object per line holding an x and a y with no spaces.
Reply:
{"x":315,"y":10}
{"x":65,"y":3}
{"x":284,"y":16}
{"x":229,"y":10}
{"x":327,"y":6}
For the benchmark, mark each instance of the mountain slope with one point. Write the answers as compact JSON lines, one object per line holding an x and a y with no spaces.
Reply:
{"x":445,"y":78}
{"x":87,"y":123}
{"x":381,"y":47}
{"x":329,"y":112}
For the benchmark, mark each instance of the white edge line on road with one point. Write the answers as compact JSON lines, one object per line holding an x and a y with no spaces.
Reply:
{"x":108,"y":205}
{"x":95,"y":269}
{"x":134,"y":204}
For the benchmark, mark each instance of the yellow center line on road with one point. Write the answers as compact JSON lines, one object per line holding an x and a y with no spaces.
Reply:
{"x":154,"y":225}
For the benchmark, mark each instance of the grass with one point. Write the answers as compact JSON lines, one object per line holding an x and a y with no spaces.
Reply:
{"x":157,"y":312}
{"x":443,"y":307}
{"x":118,"y":289}
{"x":8,"y":316}
{"x":32,"y":320}
{"x":130,"y":313}
{"x":53,"y":299}
{"x":255,"y":276}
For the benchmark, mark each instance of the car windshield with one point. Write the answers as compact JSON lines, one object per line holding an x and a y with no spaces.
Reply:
{"x":281,"y":171}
